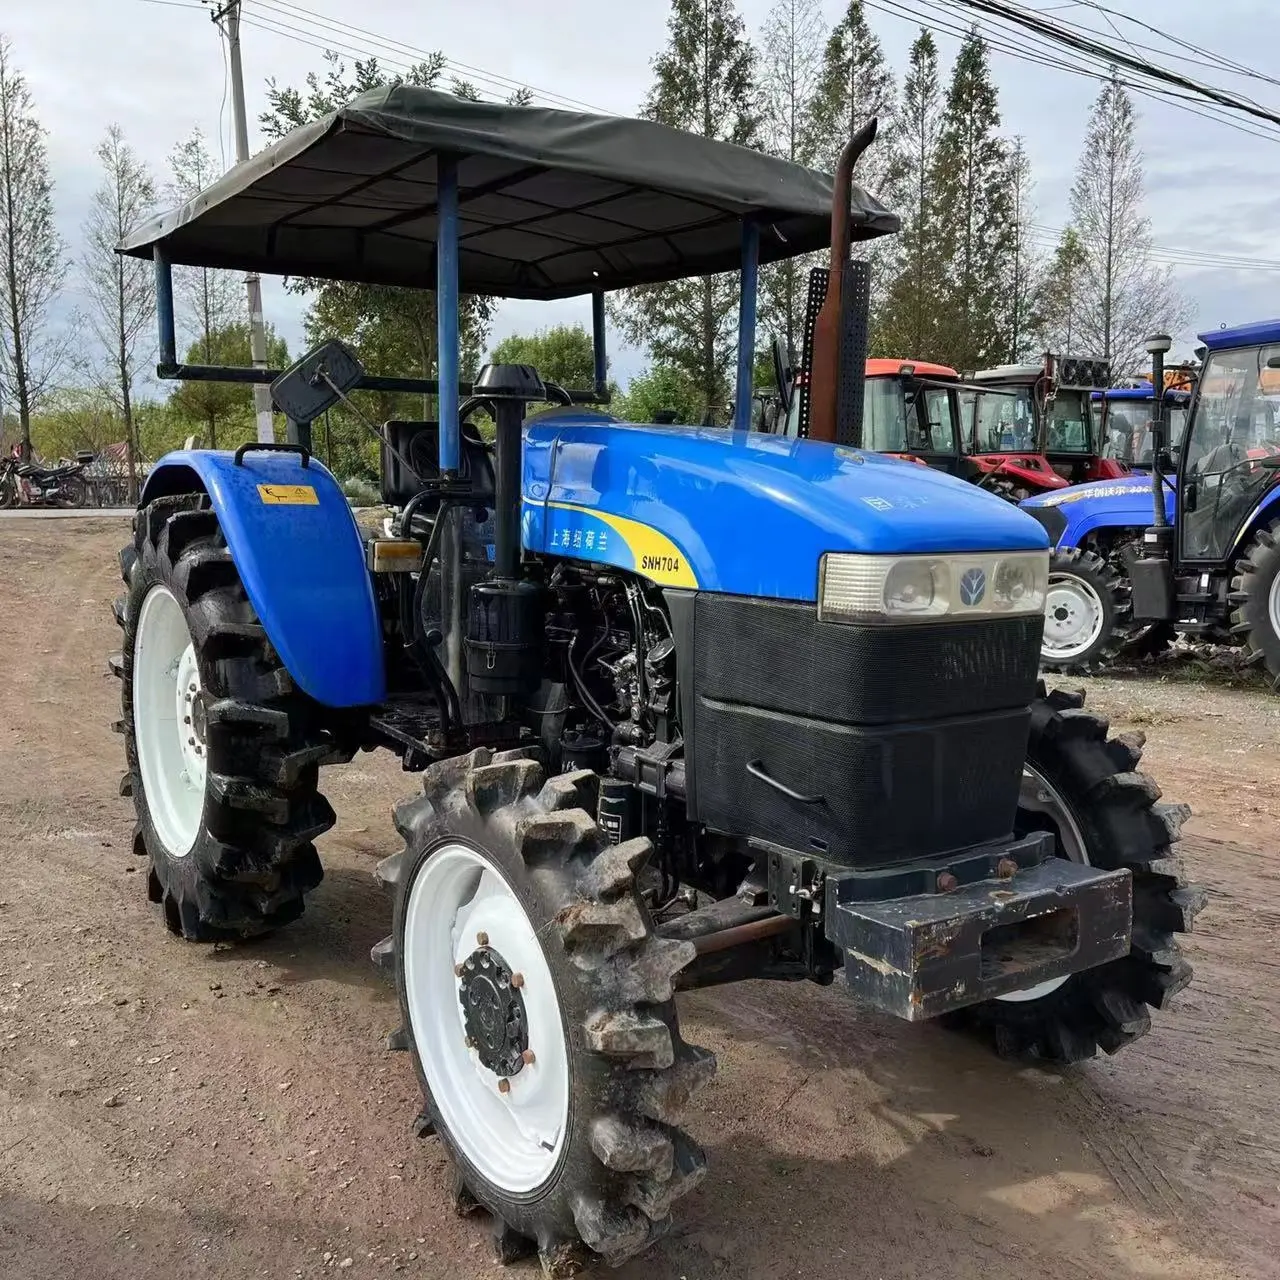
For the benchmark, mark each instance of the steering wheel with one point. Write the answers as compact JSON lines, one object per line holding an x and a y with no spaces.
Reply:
{"x":555,"y":393}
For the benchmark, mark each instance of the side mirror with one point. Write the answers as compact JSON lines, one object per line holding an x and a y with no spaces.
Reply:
{"x":317,"y":382}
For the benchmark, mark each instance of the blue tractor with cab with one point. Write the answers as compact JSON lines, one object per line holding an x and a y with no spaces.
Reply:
{"x":1198,"y":535}
{"x":689,"y":705}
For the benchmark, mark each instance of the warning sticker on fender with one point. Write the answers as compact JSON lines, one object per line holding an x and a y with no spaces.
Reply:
{"x":288,"y":495}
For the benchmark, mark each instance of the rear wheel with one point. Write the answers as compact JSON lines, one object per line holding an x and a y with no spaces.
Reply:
{"x":223,"y":752}
{"x":1084,"y":788}
{"x":537,"y":1004}
{"x":1255,"y":600}
{"x":1085,"y":609}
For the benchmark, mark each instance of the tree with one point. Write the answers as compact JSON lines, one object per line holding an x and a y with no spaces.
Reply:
{"x":908,"y":321}
{"x":704,"y":83}
{"x":1023,"y":264}
{"x":973,"y":218}
{"x":209,"y":406}
{"x":661,"y":388}
{"x":562,"y":354}
{"x":791,"y":47}
{"x":120,"y":289}
{"x":34,"y":255}
{"x":1124,"y":295}
{"x":209,"y":300}
{"x":1054,"y":318}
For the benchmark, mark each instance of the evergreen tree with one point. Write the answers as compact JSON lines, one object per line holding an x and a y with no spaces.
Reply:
{"x":1124,"y":295}
{"x":704,"y":83}
{"x":856,"y":85}
{"x":791,"y":47}
{"x":1023,"y":264}
{"x":974,"y":218}
{"x":33,"y":256}
{"x":1054,"y":318}
{"x":908,"y":321}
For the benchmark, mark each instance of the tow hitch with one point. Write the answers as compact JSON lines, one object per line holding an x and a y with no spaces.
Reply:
{"x":1028,"y":919}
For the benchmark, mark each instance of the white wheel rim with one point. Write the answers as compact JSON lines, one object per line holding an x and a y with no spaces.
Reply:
{"x":513,"y":1139}
{"x":1038,"y":796}
{"x":1073,"y":616}
{"x":1273,"y":605}
{"x":168,"y":721}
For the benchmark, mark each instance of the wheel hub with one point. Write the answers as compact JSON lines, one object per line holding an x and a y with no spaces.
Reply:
{"x":1073,"y":617}
{"x":493,"y":1012}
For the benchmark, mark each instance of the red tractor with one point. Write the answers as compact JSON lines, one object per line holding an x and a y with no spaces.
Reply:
{"x":1030,"y":428}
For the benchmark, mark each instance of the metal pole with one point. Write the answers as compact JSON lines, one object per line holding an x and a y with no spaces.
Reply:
{"x":598,"y":350}
{"x":450,"y":430}
{"x":747,"y":326}
{"x":164,"y":310}
{"x":252,"y":281}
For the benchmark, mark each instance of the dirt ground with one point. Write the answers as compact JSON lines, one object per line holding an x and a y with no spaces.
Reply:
{"x":167,"y":1109}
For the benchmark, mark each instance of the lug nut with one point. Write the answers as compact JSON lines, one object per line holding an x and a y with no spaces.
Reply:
{"x":191,"y":688}
{"x":186,"y":719}
{"x":517,"y":980}
{"x":528,"y":1058}
{"x":483,"y":939}
{"x":1006,"y":868}
{"x":504,"y":1085}
{"x":191,"y":742}
{"x":947,"y":882}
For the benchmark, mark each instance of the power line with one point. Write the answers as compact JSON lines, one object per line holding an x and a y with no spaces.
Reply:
{"x":287,"y":13}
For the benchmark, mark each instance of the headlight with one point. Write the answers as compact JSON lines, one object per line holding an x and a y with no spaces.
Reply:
{"x":858,"y":588}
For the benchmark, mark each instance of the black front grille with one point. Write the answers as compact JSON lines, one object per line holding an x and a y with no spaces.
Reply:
{"x":778,"y":656}
{"x":907,"y":741}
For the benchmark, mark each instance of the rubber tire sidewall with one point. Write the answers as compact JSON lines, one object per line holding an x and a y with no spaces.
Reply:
{"x":1263,"y":566}
{"x":578,"y":1167}
{"x":1103,"y":589}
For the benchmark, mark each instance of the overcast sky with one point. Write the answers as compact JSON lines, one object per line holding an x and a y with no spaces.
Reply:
{"x":156,"y":68}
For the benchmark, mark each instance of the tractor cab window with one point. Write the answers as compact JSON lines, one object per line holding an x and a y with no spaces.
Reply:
{"x":884,"y":416}
{"x":1068,"y":427}
{"x":932,"y":429}
{"x":1004,"y":421}
{"x":1231,"y":448}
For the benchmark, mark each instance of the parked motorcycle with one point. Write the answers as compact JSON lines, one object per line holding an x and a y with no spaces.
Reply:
{"x":28,"y":484}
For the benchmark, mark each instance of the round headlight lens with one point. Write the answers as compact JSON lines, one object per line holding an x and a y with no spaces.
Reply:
{"x":916,"y":587}
{"x":1017,"y":587}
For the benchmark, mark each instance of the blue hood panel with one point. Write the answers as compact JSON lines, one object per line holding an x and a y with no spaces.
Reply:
{"x":1123,"y":503}
{"x":741,"y":512}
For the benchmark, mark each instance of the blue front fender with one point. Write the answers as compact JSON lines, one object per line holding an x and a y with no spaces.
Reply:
{"x":300,"y":556}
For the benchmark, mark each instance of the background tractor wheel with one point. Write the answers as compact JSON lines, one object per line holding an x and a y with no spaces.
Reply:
{"x":1084,"y":787}
{"x":1086,"y":611}
{"x":537,"y":1004}
{"x":1255,"y":600}
{"x":223,"y":753}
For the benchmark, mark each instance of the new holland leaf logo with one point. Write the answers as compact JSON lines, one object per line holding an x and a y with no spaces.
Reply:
{"x":973,"y":586}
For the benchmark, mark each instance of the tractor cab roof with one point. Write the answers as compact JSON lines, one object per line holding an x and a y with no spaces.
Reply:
{"x":1012,"y":373}
{"x":880,"y":368}
{"x":1259,"y":333}
{"x":551,"y":203}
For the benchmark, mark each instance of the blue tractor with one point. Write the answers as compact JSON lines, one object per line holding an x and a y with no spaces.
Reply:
{"x":1096,"y":531}
{"x":1208,"y":564}
{"x":690,"y":705}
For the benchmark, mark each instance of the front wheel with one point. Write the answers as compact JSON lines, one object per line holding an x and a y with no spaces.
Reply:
{"x":8,"y":491}
{"x":537,"y":1003}
{"x":1084,"y":610}
{"x":1255,"y":600}
{"x":1084,"y":788}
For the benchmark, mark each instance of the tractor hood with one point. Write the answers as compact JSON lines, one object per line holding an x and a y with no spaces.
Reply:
{"x":1071,"y":515}
{"x":738,"y":512}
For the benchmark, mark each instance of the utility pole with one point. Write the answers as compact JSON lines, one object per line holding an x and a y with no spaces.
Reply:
{"x":252,"y":281}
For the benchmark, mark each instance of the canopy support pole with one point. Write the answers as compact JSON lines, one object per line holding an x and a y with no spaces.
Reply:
{"x":451,"y":593}
{"x":168,"y":345}
{"x":447,"y":309}
{"x":598,"y":345}
{"x":747,"y":325}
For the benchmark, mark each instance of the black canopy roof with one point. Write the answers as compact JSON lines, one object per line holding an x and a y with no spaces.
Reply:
{"x":552,"y":203}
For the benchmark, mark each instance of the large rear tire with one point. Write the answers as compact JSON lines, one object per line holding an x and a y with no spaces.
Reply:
{"x":1085,"y":788}
{"x":223,"y":752}
{"x":537,"y":1005}
{"x":1255,"y":600}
